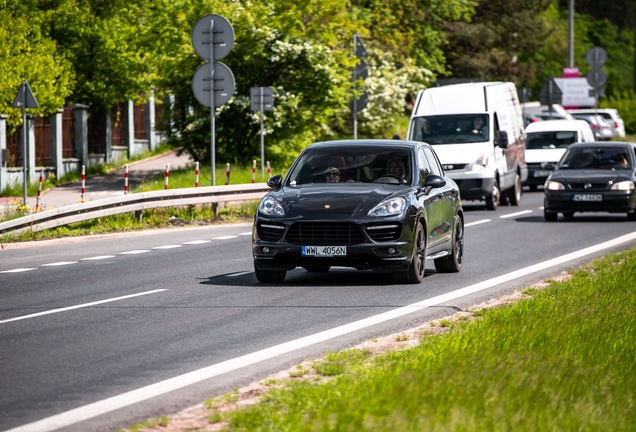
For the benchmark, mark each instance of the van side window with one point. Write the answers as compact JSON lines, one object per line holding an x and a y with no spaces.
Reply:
{"x":423,"y":165}
{"x":436,"y":167}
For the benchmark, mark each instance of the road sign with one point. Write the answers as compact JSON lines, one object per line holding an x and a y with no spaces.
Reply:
{"x":223,"y":84}
{"x":596,"y":77}
{"x":360,"y":103}
{"x":25,"y":98}
{"x":359,"y":49}
{"x":596,"y":56}
{"x":550,"y":93}
{"x":361,"y":70}
{"x":223,"y":36}
{"x":264,"y":94}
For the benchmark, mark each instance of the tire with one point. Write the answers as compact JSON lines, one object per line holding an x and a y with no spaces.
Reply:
{"x":631,"y":216}
{"x":317,"y":269}
{"x":415,"y":273}
{"x":269,"y":276}
{"x":514,"y":193}
{"x":568,"y":215}
{"x":453,"y":262}
{"x":492,"y":200}
{"x":550,"y":217}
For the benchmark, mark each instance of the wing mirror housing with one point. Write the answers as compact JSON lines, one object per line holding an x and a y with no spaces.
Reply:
{"x":550,"y":166}
{"x":432,"y":181}
{"x":275,"y":182}
{"x":502,"y":141}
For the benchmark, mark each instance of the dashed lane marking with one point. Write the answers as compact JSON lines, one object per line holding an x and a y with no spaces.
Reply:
{"x":101,"y":257}
{"x":224,"y":237}
{"x":61,"y":263}
{"x":167,"y":247}
{"x":18,"y":270}
{"x":479,"y":222}
{"x":515,"y":214}
{"x":134,"y":252}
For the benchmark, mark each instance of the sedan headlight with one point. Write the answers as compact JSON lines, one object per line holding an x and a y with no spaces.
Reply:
{"x":626,"y":185}
{"x":390,"y":207}
{"x":479,"y":164}
{"x":271,"y":207}
{"x":552,"y":185}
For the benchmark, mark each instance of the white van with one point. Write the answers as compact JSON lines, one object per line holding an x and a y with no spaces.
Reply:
{"x":547,"y":141}
{"x":478,"y":134}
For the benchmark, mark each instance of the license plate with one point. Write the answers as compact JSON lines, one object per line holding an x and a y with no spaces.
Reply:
{"x":587,"y":197}
{"x":541,"y":173}
{"x":324,"y":251}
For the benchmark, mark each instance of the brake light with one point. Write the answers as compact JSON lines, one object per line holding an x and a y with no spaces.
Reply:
{"x":615,"y":124}
{"x":534,"y":120}
{"x":594,"y":126}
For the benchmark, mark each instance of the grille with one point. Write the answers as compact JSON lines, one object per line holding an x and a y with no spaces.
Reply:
{"x":581,"y":186}
{"x":270,"y":231}
{"x":325,"y":233}
{"x":384,"y":232}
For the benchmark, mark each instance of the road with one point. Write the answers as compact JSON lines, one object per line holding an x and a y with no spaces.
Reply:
{"x":85,"y":321}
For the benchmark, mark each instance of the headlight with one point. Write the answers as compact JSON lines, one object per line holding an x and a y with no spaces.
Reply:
{"x":626,"y":185}
{"x":391,"y":207}
{"x":552,"y":185}
{"x":271,"y":207}
{"x":479,"y":164}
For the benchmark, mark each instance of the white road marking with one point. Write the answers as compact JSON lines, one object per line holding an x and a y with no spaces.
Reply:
{"x":541,"y":208}
{"x":61,"y":263}
{"x":141,"y":394}
{"x":167,"y":247}
{"x":133,"y":252}
{"x":246,"y":233}
{"x":239,"y":274}
{"x":224,"y":237}
{"x":101,"y":257}
{"x":18,"y":270}
{"x":52,"y":311}
{"x":509,"y":215}
{"x":195,"y":242}
{"x":477,"y":222}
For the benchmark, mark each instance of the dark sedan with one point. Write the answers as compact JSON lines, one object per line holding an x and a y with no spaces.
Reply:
{"x":382,"y":205}
{"x":593,"y":177}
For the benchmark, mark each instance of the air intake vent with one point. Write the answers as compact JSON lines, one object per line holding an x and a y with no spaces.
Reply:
{"x":270,"y":231}
{"x":384,"y":231}
{"x":325,"y":233}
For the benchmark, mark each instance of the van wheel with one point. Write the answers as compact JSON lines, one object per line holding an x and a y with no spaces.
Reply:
{"x":492,"y":200}
{"x":415,"y":273}
{"x":269,"y":276}
{"x":514,"y":194}
{"x":453,"y":262}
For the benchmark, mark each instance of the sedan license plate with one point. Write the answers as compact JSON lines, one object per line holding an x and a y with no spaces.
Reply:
{"x":587,"y":197}
{"x":541,"y":173}
{"x":324,"y":251}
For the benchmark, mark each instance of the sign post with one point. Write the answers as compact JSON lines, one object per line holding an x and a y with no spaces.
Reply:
{"x":212,"y":39}
{"x":262,"y":99}
{"x":25,"y":99}
{"x":596,"y":77}
{"x":360,"y":71}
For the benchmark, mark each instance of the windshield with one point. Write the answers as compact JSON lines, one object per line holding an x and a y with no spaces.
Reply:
{"x":452,"y":129}
{"x":596,"y":158}
{"x":550,"y":140}
{"x":352,"y":165}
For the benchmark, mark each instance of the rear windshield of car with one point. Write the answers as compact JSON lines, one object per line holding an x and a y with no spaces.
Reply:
{"x":550,"y":140}
{"x":358,"y":164}
{"x":596,"y":158}
{"x":452,"y":129}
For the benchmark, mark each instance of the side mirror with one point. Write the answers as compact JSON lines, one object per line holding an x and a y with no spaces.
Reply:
{"x":503,"y":140}
{"x":275,"y":182}
{"x":396,"y":137}
{"x":550,"y":166}
{"x":434,"y":181}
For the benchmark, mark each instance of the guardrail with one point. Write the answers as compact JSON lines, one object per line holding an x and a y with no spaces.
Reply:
{"x":133,"y":202}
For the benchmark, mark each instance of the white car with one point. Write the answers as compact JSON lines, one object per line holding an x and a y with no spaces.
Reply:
{"x":547,"y":141}
{"x":611,"y":117}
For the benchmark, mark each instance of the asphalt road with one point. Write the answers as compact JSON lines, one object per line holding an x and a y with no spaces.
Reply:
{"x":85,"y":324}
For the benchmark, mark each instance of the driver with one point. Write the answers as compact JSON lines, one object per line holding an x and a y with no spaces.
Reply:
{"x":332,"y":175}
{"x":396,"y":167}
{"x":479,"y":127}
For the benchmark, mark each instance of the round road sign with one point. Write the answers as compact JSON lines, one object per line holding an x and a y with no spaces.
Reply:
{"x":223,"y":36}
{"x":596,"y":78}
{"x":596,"y":56}
{"x":223,"y":84}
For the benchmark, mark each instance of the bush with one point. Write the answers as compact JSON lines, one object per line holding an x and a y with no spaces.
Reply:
{"x":625,"y":103}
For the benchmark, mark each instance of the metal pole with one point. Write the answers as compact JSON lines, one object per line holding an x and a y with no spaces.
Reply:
{"x":355,"y":101}
{"x":212,"y":106}
{"x":570,"y":33}
{"x":25,"y":144}
{"x":262,"y":140}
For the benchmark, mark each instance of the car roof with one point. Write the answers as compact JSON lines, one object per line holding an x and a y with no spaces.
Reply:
{"x":371,"y":142}
{"x":604,"y":144}
{"x":556,"y":125}
{"x":592,"y":110}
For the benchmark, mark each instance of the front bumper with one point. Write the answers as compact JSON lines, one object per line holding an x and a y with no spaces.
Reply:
{"x":474,"y":185}
{"x":613,"y":202}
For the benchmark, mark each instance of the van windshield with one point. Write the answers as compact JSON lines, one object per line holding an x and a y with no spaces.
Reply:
{"x":550,"y":140}
{"x":451,"y":129}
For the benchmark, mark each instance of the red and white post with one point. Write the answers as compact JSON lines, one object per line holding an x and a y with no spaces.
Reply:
{"x":165,"y":186}
{"x":37,"y":201}
{"x":196,"y":175}
{"x":83,"y":182}
{"x":269,"y":171}
{"x":126,"y":180}
{"x":227,"y":174}
{"x":253,"y":171}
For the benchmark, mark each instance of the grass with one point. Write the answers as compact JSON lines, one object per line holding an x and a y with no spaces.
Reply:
{"x":562,"y":360}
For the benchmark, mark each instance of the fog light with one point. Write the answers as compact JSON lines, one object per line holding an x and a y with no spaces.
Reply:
{"x":265,"y":249}
{"x":392,"y":251}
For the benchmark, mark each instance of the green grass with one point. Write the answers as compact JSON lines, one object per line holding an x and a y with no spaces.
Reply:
{"x":563,"y":360}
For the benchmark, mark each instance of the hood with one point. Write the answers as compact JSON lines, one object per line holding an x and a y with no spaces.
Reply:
{"x":588,"y":176}
{"x":544,"y":155}
{"x":461,"y":153}
{"x":342,"y":198}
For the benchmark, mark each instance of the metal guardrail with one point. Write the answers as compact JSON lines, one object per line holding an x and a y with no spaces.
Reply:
{"x":133,"y":202}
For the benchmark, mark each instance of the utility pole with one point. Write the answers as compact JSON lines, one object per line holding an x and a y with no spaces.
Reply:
{"x":571,"y":33}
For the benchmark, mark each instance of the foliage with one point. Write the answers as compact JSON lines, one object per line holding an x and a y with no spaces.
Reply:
{"x":625,"y":103}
